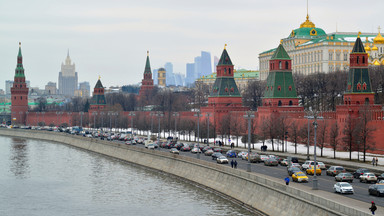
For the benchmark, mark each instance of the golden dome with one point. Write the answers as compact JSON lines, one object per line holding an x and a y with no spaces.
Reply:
{"x":307,"y":24}
{"x":376,"y":63}
{"x":378,"y":39}
{"x":367,"y":48}
{"x":374,"y":48}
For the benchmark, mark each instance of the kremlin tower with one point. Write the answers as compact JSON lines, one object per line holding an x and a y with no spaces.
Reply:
{"x":147,"y":82}
{"x":19,"y":93}
{"x":98,"y":99}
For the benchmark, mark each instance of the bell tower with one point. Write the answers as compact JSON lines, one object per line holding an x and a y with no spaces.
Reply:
{"x":19,"y":93}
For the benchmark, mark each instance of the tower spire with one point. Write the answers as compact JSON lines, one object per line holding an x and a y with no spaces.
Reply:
{"x":68,"y":53}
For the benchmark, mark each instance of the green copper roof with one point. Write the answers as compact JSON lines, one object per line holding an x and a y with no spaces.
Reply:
{"x":224,"y":87}
{"x":280,"y":53}
{"x":307,"y":33}
{"x":98,"y":100}
{"x":147,"y":66}
{"x":238,"y":74}
{"x":358,"y":81}
{"x":19,"y":71}
{"x":224,"y":59}
{"x":98,"y":84}
{"x":280,"y":85}
{"x":358,"y":47}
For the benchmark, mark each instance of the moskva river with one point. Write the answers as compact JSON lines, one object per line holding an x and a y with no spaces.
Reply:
{"x":46,"y":178}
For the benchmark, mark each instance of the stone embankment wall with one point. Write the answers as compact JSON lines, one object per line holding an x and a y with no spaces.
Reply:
{"x":266,"y":194}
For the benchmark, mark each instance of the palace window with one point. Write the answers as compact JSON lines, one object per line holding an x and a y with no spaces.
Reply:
{"x":337,"y":56}
{"x":279,"y":88}
{"x":286,"y":65}
{"x":330,"y":56}
{"x":358,"y":86}
{"x":280,"y":67}
{"x":290,"y":88}
{"x":345,"y":56}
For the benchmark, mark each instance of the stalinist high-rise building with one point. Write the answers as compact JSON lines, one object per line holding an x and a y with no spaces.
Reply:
{"x":67,"y":78}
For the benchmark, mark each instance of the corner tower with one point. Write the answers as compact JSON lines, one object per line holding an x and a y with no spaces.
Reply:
{"x":19,"y":93}
{"x":98,"y":99}
{"x":280,"y":89}
{"x":147,"y":82}
{"x":359,"y":83}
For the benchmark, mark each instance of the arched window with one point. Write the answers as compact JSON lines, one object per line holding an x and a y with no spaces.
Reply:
{"x":229,"y":71}
{"x":366,"y":101}
{"x":363,"y":59}
{"x":286,"y":65}
{"x":279,"y":104}
{"x":290,"y":103}
{"x":280,"y":67}
{"x":357,"y":60}
{"x":225,"y":70}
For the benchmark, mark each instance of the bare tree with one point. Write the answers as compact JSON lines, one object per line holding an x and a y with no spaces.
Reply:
{"x":294,"y":133}
{"x":237,"y":128}
{"x":350,"y":134}
{"x":333,"y":136}
{"x":253,"y":94}
{"x":366,"y":130}
{"x":322,"y":135}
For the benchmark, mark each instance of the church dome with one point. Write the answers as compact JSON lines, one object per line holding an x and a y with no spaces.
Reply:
{"x":307,"y":30}
{"x":374,"y":48}
{"x":378,"y":39}
{"x":367,"y":48}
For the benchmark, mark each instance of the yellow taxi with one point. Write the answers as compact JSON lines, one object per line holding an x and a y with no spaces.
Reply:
{"x":310,"y":171}
{"x":299,"y":177}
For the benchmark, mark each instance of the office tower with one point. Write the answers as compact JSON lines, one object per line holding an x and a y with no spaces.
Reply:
{"x":197,"y":66}
{"x":154,"y":76}
{"x":85,"y":89}
{"x":190,"y":75}
{"x":169,"y":75}
{"x":206,"y":65}
{"x":67,"y":78}
{"x":215,"y":62}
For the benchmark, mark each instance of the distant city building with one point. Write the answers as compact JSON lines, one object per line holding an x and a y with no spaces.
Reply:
{"x":2,"y":92}
{"x":170,"y":77}
{"x":215,"y":62}
{"x":9,"y":84}
{"x":68,"y":78}
{"x":206,"y":65}
{"x":85,"y":89}
{"x":179,"y":79}
{"x":197,"y":67}
{"x":161,"y":77}
{"x":154,"y":76}
{"x":190,"y":74}
{"x":50,"y":88}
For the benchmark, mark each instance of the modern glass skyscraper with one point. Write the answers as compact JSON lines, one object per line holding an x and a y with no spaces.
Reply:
{"x":170,"y":77}
{"x":190,"y":75}
{"x":206,"y":65}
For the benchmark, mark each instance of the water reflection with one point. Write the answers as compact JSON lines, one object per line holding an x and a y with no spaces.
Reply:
{"x":19,"y":158}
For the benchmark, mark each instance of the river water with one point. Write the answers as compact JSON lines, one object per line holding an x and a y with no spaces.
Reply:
{"x":46,"y":178}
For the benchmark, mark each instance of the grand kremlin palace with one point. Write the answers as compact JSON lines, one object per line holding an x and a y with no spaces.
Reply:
{"x":312,"y":50}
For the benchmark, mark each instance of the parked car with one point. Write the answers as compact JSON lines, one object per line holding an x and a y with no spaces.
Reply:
{"x":231,"y":153}
{"x":344,"y":177}
{"x":196,"y":150}
{"x":179,"y":146}
{"x":216,"y":155}
{"x":299,"y":177}
{"x":271,"y":162}
{"x":335,"y":170}
{"x":185,"y":148}
{"x":263,"y":158}
{"x":174,"y":151}
{"x":206,"y":148}
{"x":240,"y":154}
{"x":296,"y":165}
{"x":253,"y":157}
{"x":311,"y":171}
{"x":322,"y":165}
{"x":368,"y":177}
{"x":244,"y":156}
{"x":380,"y":177}
{"x":376,"y":189}
{"x":208,"y":152}
{"x":292,"y":170}
{"x":309,"y":165}
{"x":216,"y":149}
{"x":284,"y":162}
{"x":343,"y":188}
{"x":222,"y":160}
{"x":360,"y":172}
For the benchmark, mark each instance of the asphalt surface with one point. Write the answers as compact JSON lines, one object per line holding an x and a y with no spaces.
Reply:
{"x":325,"y":182}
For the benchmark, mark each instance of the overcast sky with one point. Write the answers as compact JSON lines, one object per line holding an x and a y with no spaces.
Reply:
{"x":111,"y":38}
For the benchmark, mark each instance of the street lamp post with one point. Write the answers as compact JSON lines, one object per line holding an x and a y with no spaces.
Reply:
{"x":249,"y":116}
{"x":314,"y":158}
{"x":131,"y":114}
{"x":286,"y":141}
{"x":102,"y":120}
{"x":152,"y":114}
{"x":208,"y":115}
{"x":94,"y":120}
{"x":159,"y":115}
{"x":308,"y":117}
{"x":198,"y":132}
{"x":175,"y":114}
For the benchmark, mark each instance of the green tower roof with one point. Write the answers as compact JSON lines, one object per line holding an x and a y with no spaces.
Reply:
{"x":280,"y":53}
{"x":224,"y":59}
{"x":98,"y":84}
{"x":358,"y":47}
{"x":147,"y":65}
{"x":19,"y":71}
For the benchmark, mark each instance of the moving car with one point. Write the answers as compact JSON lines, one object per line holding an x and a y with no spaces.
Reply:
{"x":222,"y":160}
{"x":309,"y":165}
{"x":360,"y":172}
{"x":380,"y":177}
{"x":196,"y":150}
{"x":208,"y":152}
{"x":253,"y":157}
{"x":185,"y":148}
{"x":174,"y":151}
{"x":344,"y":177}
{"x":335,"y":170}
{"x":216,"y":155}
{"x":343,"y":188}
{"x":376,"y":189}
{"x":368,"y":177}
{"x":240,"y":154}
{"x":292,"y":170}
{"x":296,"y":165}
{"x":322,"y":165}
{"x":150,"y":146}
{"x":263,"y":157}
{"x":271,"y":162}
{"x":284,"y":162}
{"x":299,"y":177}
{"x":231,"y":153}
{"x":311,"y":171}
